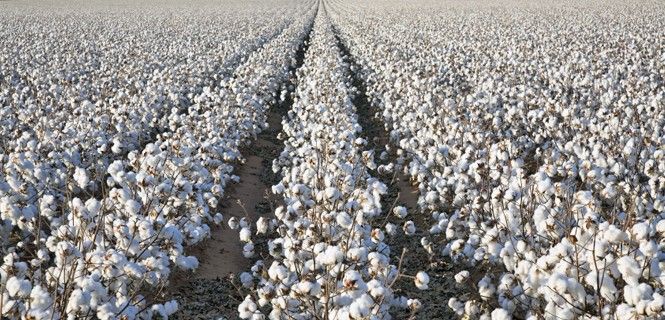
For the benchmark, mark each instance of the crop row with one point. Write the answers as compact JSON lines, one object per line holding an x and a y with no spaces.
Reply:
{"x":325,"y":260}
{"x":535,"y":136}
{"x":93,"y":243}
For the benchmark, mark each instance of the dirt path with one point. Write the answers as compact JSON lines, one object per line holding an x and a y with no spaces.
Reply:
{"x":211,"y":292}
{"x":222,"y":253}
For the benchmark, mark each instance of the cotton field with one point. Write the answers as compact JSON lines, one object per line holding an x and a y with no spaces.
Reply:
{"x":332,"y":159}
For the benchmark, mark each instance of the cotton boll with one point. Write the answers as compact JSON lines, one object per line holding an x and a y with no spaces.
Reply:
{"x":170,"y":307}
{"x":39,"y":298}
{"x":278,"y":188}
{"x":400,"y":212}
{"x":485,"y":288}
{"x":377,"y":235}
{"x":414,"y":304}
{"x":132,"y":207}
{"x":634,"y":294}
{"x":359,"y":309}
{"x":245,"y":234}
{"x":461,"y":276}
{"x":332,"y":194}
{"x":607,"y":288}
{"x":79,"y":301}
{"x":614,"y":235}
{"x":81,"y":177}
{"x":431,"y":197}
{"x":247,"y":308}
{"x":248,"y":250}
{"x":218,"y":218}
{"x":107,"y":311}
{"x":344,"y":220}
{"x":244,"y":222}
{"x":456,"y":305}
{"x":277,"y":272}
{"x":501,"y":314}
{"x":640,"y":231}
{"x":187,"y":263}
{"x":422,"y":280}
{"x":262,"y":225}
{"x":233,"y":223}
{"x":330,"y":256}
{"x":427,"y":245}
{"x":655,"y":306}
{"x":117,"y":146}
{"x":246,"y":279}
{"x":18,"y":288}
{"x":409,"y":228}
{"x":630,"y":269}
{"x":391,"y":229}
{"x":471,"y":308}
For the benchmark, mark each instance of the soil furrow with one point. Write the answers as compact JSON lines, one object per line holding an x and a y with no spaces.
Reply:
{"x":212,"y":293}
{"x":401,"y":192}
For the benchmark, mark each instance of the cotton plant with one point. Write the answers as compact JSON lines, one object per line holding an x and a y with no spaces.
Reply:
{"x":551,"y":186}
{"x":99,"y":200}
{"x":326,"y":260}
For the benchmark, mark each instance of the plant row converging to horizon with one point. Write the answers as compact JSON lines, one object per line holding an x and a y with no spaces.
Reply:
{"x":534,"y":134}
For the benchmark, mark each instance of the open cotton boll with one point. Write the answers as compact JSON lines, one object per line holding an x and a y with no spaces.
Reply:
{"x":409,"y":228}
{"x":485,"y":288}
{"x":166,"y":309}
{"x":400,"y":212}
{"x":133,"y":207}
{"x":607,"y":288}
{"x":414,"y":304}
{"x":431,"y":197}
{"x":377,"y":235}
{"x":81,"y":177}
{"x":244,"y":222}
{"x":330,"y":256}
{"x":40,"y":299}
{"x":17,"y":287}
{"x":391,"y":229}
{"x":422,"y":280}
{"x":245,"y":234}
{"x":187,"y":262}
{"x":614,"y":235}
{"x":501,"y":314}
{"x":246,"y":279}
{"x":218,"y":218}
{"x":247,"y":308}
{"x":361,"y":308}
{"x":456,"y":305}
{"x":233,"y":223}
{"x":262,"y":225}
{"x":630,"y":269}
{"x":277,"y":272}
{"x":248,"y":250}
{"x":461,"y":276}
{"x":344,"y":220}
{"x":79,"y":301}
{"x":640,"y":231}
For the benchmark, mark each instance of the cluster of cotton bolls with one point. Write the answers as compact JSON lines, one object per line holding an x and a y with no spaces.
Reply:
{"x":535,"y":134}
{"x":113,"y":160}
{"x":325,"y":259}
